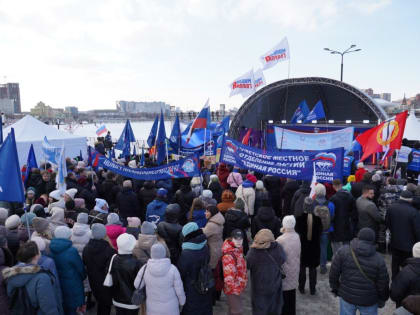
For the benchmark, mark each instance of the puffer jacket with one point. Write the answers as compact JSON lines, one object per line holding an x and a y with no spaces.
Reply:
{"x":234,"y":179}
{"x":113,"y":231}
{"x":80,"y":236}
{"x":407,"y":281}
{"x":290,"y":241}
{"x":155,"y":212}
{"x":214,"y":233}
{"x":165,"y":291}
{"x":143,"y":247}
{"x":350,"y":284}
{"x":170,"y":231}
{"x":265,"y":219}
{"x":234,"y":269}
{"x":345,"y":216}
{"x":228,"y":199}
{"x":247,"y":193}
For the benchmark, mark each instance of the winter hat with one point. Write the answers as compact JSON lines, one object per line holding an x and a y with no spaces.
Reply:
{"x":4,"y":213}
{"x":289,"y":222}
{"x":38,"y":210}
{"x":98,"y":231}
{"x":207,"y":193}
{"x":237,"y":233}
{"x":351,"y":179}
{"x":158,"y":251}
{"x":82,"y":218}
{"x":239,"y":204}
{"x":133,"y":222}
{"x":126,"y":243}
{"x":40,"y":224}
{"x":263,"y":239}
{"x":79,"y":203}
{"x":39,"y":242}
{"x":307,"y":204}
{"x":366,"y":234}
{"x":195,"y":181}
{"x":30,"y":216}
{"x":212,"y":209}
{"x":259,"y":185}
{"x":189,"y":228}
{"x":360,"y":165}
{"x":416,"y":250}
{"x":31,"y":189}
{"x":406,"y":196}
{"x":251,"y":178}
{"x":162,"y":192}
{"x":173,"y":207}
{"x":62,"y":232}
{"x":12,"y":222}
{"x":320,"y":190}
{"x":376,"y":178}
{"x":148,"y":228}
{"x":71,"y":192}
{"x":55,"y":194}
{"x":214,"y":178}
{"x":81,"y":164}
{"x":113,"y":219}
{"x":132,"y":164}
{"x":99,"y":204}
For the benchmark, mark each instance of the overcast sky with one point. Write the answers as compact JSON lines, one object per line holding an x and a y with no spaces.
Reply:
{"x":91,"y":53}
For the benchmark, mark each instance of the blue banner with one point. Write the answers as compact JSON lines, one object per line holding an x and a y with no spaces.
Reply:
{"x":347,"y":162}
{"x":186,"y":167}
{"x":290,"y":164}
{"x":414,"y":165}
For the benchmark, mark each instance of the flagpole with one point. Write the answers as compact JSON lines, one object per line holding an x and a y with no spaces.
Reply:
{"x":205,"y":138}
{"x":167,"y":155}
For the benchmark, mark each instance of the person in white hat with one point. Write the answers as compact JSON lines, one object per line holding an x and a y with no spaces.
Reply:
{"x":69,"y":194}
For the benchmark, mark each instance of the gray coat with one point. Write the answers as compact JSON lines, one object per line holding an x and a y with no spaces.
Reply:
{"x":369,"y":215}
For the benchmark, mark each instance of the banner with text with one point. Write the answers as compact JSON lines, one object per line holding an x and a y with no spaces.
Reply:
{"x":290,"y":164}
{"x":414,"y":165}
{"x":187,"y":167}
{"x":295,"y":140}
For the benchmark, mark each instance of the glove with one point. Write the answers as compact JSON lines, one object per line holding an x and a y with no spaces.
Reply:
{"x":381,"y":304}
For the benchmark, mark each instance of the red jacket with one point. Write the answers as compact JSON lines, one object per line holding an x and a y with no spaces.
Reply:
{"x":223,"y":173}
{"x":234,"y":268}
{"x":359,"y":174}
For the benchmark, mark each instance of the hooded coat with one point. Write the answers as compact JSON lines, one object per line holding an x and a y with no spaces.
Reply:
{"x":345,"y":216}
{"x":127,"y":203}
{"x":113,"y":231}
{"x":184,"y":198}
{"x":228,"y":199}
{"x":70,"y":271}
{"x":4,"y":302}
{"x":311,"y":250}
{"x":247,"y":193}
{"x":296,"y":204}
{"x":236,"y":219}
{"x":80,"y":236}
{"x":144,"y":245}
{"x":223,"y":173}
{"x":289,"y":189}
{"x":57,"y":218}
{"x":216,"y":189}
{"x":266,"y":219}
{"x":407,"y":281}
{"x":165,"y":291}
{"x":234,"y":269}
{"x":155,"y":212}
{"x":290,"y":242}
{"x":170,"y":231}
{"x":214,"y":233}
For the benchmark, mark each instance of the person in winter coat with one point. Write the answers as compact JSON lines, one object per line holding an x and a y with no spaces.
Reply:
{"x":214,"y":233}
{"x":196,"y":187}
{"x":236,"y":218}
{"x":309,"y":228}
{"x":195,"y":253}
{"x":96,"y":257}
{"x":145,"y":196}
{"x":228,"y":199}
{"x":12,"y":224}
{"x":184,"y":197}
{"x":262,"y":197}
{"x":247,"y":193}
{"x":124,"y":269}
{"x":299,"y":197}
{"x":127,"y":202}
{"x":407,"y":281}
{"x":170,"y":231}
{"x":4,"y":213}
{"x":4,"y":302}
{"x":99,"y":212}
{"x":37,"y":283}
{"x":55,"y":200}
{"x":364,"y":291}
{"x":369,"y":215}
{"x":265,"y":219}
{"x":108,"y":189}
{"x":70,"y":269}
{"x":234,"y":179}
{"x":197,"y":213}
{"x":289,"y":189}
{"x":223,"y":173}
{"x":57,"y":218}
{"x":25,"y":222}
{"x":145,"y":242}
{"x":43,"y":230}
{"x":133,"y":226}
{"x":234,"y":272}
{"x":165,"y":291}
{"x":155,"y":212}
{"x":114,"y":228}
{"x":290,"y":242}
{"x":215,"y":188}
{"x":357,"y":187}
{"x":265,"y":260}
{"x":80,"y":233}
{"x":207,"y":198}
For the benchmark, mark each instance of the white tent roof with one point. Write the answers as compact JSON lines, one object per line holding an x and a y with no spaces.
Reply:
{"x":29,"y":130}
{"x":412,"y":127}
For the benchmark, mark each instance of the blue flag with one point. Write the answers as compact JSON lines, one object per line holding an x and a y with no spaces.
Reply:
{"x":134,"y":151}
{"x":301,"y":112}
{"x":89,"y":152}
{"x":161,"y":141}
{"x":127,"y":136}
{"x":51,"y":153}
{"x":142,"y":157}
{"x":316,"y":113}
{"x":1,"y":129}
{"x":113,"y":153}
{"x":11,"y":185}
{"x":80,"y":156}
{"x":175,"y":138}
{"x":223,"y":127}
{"x":152,"y":136}
{"x":31,"y":162}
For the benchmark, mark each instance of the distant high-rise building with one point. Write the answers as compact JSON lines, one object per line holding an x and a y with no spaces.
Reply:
{"x":386,"y":96}
{"x":143,"y":107}
{"x":368,"y":92}
{"x":11,"y":91}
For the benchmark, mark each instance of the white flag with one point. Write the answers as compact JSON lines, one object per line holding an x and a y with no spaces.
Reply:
{"x":243,"y":85}
{"x":280,"y":52}
{"x":62,"y":171}
{"x":313,"y":183}
{"x":259,"y":79}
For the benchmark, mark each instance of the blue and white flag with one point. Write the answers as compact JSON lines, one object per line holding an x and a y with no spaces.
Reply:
{"x":259,"y":79}
{"x":151,"y":140}
{"x":316,"y":113}
{"x":62,"y":171}
{"x":127,"y":136}
{"x":301,"y":112}
{"x":51,"y":153}
{"x":278,"y":53}
{"x":222,"y":127}
{"x":142,"y":157}
{"x":161,"y":141}
{"x":175,"y":137}
{"x":30,"y":163}
{"x":243,"y":85}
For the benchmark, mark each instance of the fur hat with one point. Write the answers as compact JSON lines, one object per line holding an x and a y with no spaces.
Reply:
{"x":62,"y":232}
{"x":207,"y":193}
{"x":158,"y":251}
{"x":416,"y":250}
{"x":113,"y":219}
{"x":31,"y":189}
{"x":71,"y":192}
{"x":289,"y":222}
{"x":126,"y":243}
{"x":307,"y":205}
{"x":320,"y":190}
{"x":79,"y":203}
{"x":239,"y":204}
{"x":40,"y":224}
{"x":406,"y":196}
{"x":39,"y":242}
{"x":263,"y":239}
{"x":83,"y":218}
{"x":98,"y":231}
{"x":133,"y":222}
{"x":195,"y":181}
{"x":214,"y":178}
{"x":259,"y":185}
{"x":376,"y":178}
{"x":148,"y":228}
{"x":12,"y":222}
{"x":99,"y":204}
{"x":366,"y":234}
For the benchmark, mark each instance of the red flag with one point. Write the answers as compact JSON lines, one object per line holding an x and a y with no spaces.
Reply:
{"x":386,"y":136}
{"x":245,"y":139}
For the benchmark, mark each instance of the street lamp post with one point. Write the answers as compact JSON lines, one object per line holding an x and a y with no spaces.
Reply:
{"x":348,"y":50}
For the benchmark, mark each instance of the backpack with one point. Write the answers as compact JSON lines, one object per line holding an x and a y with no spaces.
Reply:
{"x":323,"y":212}
{"x":205,"y":280}
{"x":19,"y":302}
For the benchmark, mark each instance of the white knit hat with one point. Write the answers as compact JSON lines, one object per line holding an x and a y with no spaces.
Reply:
{"x":55,"y":194}
{"x":207,"y":193}
{"x":39,"y":242}
{"x":71,"y":192}
{"x":62,"y":232}
{"x":126,"y":243}
{"x":289,"y":222}
{"x":259,"y":185}
{"x":12,"y":222}
{"x":132,"y":164}
{"x":416,"y":250}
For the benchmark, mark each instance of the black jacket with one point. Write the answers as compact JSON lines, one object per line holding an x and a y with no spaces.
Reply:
{"x":403,"y":221}
{"x":127,"y":203}
{"x":296,"y":204}
{"x":265,"y":219}
{"x":274,"y":186}
{"x":345,"y":216}
{"x":357,"y":188}
{"x":184,"y":198}
{"x":124,"y":270}
{"x":310,"y":250}
{"x":96,"y":257}
{"x":349,"y":283}
{"x":236,"y":219}
{"x":108,"y":190}
{"x":216,"y":189}
{"x":170,"y":231}
{"x":407,"y":281}
{"x":287,"y":195}
{"x":146,"y":195}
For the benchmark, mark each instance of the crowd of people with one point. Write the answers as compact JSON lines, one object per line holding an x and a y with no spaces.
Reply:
{"x":174,"y":246}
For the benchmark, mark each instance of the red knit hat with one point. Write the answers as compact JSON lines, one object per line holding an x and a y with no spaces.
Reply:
{"x":251,"y":178}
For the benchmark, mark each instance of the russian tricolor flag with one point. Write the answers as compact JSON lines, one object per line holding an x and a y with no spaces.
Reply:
{"x":102,"y":129}
{"x":201,"y":121}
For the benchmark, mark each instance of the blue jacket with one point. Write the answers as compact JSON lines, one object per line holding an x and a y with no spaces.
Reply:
{"x":70,"y":270}
{"x":156,"y":211}
{"x":199,"y":217}
{"x":48,"y":264}
{"x":39,"y":286}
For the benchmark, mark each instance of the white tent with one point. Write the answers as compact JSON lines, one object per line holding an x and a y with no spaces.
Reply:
{"x":29,"y":131}
{"x":412,"y":127}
